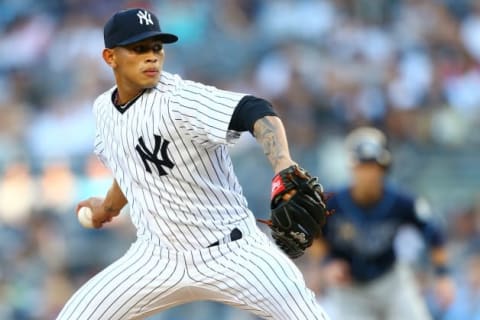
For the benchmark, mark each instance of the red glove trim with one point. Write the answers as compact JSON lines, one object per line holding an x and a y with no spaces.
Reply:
{"x":277,"y":186}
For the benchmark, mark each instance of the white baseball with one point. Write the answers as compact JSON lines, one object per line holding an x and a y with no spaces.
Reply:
{"x":85,"y":217}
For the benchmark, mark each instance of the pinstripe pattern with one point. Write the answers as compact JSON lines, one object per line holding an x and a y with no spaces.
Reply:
{"x":179,"y":214}
{"x":200,"y":199}
{"x":251,"y":274}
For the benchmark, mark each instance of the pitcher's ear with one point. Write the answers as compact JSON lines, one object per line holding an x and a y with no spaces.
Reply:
{"x":109,"y":57}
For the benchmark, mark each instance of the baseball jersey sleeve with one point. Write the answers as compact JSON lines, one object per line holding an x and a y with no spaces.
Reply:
{"x":204,"y":113}
{"x":99,"y":145}
{"x":421,"y":215}
{"x":99,"y":149}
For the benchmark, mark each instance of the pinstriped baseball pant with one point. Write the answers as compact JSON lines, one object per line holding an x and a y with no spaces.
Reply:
{"x":250,"y":273}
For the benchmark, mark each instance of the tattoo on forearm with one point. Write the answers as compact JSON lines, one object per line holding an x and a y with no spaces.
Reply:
{"x":267,"y":135}
{"x":110,"y":209}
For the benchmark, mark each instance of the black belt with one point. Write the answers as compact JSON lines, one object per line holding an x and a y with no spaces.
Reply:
{"x":236,"y":234}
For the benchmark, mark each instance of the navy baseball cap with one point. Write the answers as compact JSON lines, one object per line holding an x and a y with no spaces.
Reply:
{"x":133,"y":25}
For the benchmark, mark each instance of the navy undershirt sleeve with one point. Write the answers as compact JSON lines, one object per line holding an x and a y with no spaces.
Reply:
{"x":248,"y":111}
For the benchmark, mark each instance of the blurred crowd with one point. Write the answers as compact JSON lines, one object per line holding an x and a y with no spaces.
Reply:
{"x":408,"y":67}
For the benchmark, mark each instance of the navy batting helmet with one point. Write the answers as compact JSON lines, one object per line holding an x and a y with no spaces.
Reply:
{"x":367,"y":144}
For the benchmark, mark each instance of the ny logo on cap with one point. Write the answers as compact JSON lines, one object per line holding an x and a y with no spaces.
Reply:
{"x":144,"y":16}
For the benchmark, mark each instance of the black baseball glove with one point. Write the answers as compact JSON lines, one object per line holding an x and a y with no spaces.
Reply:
{"x":298,"y":210}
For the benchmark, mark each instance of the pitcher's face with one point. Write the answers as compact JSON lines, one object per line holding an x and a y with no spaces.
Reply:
{"x":138,"y":65}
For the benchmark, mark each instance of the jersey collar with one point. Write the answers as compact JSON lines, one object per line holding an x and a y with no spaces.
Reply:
{"x":124,"y":107}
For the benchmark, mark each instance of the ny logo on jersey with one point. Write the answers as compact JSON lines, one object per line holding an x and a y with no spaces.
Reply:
{"x":152,"y":157}
{"x":144,"y":16}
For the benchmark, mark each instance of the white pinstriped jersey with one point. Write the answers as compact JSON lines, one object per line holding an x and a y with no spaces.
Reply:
{"x":168,"y":152}
{"x":183,"y":193}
